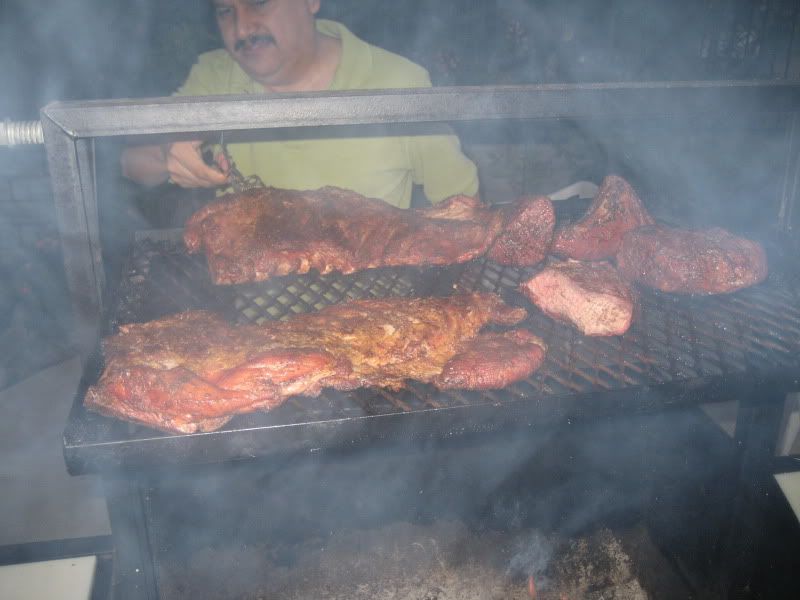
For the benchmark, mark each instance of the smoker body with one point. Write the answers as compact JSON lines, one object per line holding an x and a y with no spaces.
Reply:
{"x":604,"y":378}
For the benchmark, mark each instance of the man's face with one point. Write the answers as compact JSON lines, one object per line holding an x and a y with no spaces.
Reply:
{"x":272,"y":40}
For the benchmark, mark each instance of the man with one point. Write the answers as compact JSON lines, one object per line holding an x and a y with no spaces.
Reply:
{"x":276,"y":46}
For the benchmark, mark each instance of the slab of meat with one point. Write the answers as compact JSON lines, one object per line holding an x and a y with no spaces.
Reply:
{"x":527,"y":232}
{"x":261,"y":233}
{"x":710,"y":261}
{"x":590,"y":295}
{"x":193,"y":371}
{"x":615,"y":210}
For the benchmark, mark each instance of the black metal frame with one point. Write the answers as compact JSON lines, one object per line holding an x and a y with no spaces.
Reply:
{"x":680,"y":351}
{"x":70,"y":129}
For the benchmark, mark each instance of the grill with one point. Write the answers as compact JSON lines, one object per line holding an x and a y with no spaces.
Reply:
{"x":707,"y":345}
{"x":681,"y":351}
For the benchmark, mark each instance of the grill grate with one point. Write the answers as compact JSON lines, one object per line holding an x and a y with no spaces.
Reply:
{"x":675,"y":340}
{"x":673,"y":337}
{"x":163,"y":279}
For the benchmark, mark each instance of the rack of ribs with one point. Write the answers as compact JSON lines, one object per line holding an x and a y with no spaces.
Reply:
{"x":710,"y":261}
{"x":193,"y":371}
{"x":258,"y":234}
{"x":615,"y":210}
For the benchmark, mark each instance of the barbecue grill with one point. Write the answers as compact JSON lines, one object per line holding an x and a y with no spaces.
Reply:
{"x":680,"y":352}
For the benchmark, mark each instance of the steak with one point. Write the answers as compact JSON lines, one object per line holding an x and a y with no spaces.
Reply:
{"x":527,"y":232}
{"x":615,"y":210}
{"x":492,"y":361}
{"x":193,"y":371}
{"x":710,"y":261}
{"x":590,"y":295}
{"x":257,"y":234}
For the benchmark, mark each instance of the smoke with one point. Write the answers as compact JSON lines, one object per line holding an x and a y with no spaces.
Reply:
{"x":82,"y":50}
{"x":558,"y":481}
{"x":76,"y":50}
{"x":517,"y":497}
{"x":696,"y":171}
{"x":50,"y":51}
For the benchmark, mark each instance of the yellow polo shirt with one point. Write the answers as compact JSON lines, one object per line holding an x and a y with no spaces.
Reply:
{"x":377,"y":167}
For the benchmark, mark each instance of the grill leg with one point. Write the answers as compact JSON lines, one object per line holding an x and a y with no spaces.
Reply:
{"x":134,"y":572}
{"x":757,"y":427}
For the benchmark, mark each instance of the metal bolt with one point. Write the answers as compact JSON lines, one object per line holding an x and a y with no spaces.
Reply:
{"x":13,"y":133}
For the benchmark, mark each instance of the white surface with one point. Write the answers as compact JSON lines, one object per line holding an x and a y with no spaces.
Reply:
{"x":65,"y":579}
{"x":582,"y":189}
{"x":790,"y":486}
{"x":40,"y":501}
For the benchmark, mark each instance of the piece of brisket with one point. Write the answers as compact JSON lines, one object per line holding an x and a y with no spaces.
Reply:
{"x":193,"y":371}
{"x":527,"y":232}
{"x":590,"y":295}
{"x":261,"y":233}
{"x":710,"y":261}
{"x":615,"y":210}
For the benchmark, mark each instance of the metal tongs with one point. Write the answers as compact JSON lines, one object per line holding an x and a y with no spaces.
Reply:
{"x":236,"y":180}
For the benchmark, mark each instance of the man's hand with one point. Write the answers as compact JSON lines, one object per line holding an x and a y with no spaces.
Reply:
{"x":181,"y":163}
{"x":186,"y":167}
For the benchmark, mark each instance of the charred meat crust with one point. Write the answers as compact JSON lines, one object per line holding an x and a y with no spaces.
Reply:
{"x":527,"y":232}
{"x":709,"y":261}
{"x":615,"y":210}
{"x":255,"y":235}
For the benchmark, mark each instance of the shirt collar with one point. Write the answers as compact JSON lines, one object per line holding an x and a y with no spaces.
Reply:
{"x":355,"y":63}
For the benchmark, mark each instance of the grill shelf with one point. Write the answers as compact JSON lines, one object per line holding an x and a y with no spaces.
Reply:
{"x":680,"y":350}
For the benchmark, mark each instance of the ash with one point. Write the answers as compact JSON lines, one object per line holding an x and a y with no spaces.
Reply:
{"x":402,"y":561}
{"x":592,"y":568}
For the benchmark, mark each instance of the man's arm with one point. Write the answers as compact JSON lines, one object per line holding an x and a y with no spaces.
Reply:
{"x":180,"y":162}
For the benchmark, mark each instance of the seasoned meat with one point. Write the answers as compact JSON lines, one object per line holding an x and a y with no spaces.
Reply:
{"x":193,"y":371}
{"x":615,"y":209}
{"x":590,"y":295}
{"x":492,"y":361}
{"x":710,"y":261}
{"x":527,"y":232}
{"x":261,"y":233}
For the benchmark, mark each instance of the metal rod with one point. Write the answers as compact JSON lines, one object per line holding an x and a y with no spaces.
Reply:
{"x":72,"y":177}
{"x":791,"y":177}
{"x":793,"y":20}
{"x":134,"y":570}
{"x":749,"y":33}
{"x":551,"y":101}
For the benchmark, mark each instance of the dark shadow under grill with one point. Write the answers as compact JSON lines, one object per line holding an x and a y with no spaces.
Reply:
{"x":679,"y":350}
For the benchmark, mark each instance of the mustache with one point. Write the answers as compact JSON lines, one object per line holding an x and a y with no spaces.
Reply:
{"x":252,"y":40}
